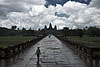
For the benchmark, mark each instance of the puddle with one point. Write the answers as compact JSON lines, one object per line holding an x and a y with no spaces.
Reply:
{"x":50,"y":41}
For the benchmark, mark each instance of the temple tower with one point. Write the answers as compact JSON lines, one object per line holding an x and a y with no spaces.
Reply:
{"x":45,"y":27}
{"x":55,"y":27}
{"x":50,"y":26}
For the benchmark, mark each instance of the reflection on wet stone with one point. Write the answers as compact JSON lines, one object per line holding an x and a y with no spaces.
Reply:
{"x":38,"y":64}
{"x":53,"y":54}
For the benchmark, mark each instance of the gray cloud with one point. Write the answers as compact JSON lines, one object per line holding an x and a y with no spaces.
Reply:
{"x":3,"y":10}
{"x":7,"y":6}
{"x":36,"y":2}
{"x":61,"y":15}
{"x":12,"y":7}
{"x":95,"y":3}
{"x":29,"y":13}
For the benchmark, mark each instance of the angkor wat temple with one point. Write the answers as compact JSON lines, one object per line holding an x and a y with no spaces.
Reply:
{"x":50,"y":29}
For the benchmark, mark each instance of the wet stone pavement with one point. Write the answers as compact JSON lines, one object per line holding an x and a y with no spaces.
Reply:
{"x":53,"y":54}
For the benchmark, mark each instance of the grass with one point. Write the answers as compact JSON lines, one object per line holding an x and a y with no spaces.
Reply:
{"x":91,"y":41}
{"x":7,"y":41}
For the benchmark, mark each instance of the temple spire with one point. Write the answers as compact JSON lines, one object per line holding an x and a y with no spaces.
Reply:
{"x":45,"y":27}
{"x":50,"y":26}
{"x":55,"y":27}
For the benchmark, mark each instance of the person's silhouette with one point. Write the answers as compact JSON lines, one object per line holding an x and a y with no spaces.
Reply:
{"x":38,"y":53}
{"x":49,"y":35}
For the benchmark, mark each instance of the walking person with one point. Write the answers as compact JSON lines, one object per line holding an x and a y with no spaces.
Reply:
{"x":49,"y":35}
{"x":38,"y":52}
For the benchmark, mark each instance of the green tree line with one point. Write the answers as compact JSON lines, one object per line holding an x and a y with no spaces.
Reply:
{"x":14,"y":31}
{"x":88,"y":31}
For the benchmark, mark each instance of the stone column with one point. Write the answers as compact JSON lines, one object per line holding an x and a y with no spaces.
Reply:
{"x":9,"y":50}
{"x":77,"y":49}
{"x":97,"y":60}
{"x":18,"y":48}
{"x":14,"y":51}
{"x":85,"y":54}
{"x":80,"y":50}
{"x":0,"y":52}
{"x":23,"y":46}
{"x":91,"y":59}
{"x":5,"y":52}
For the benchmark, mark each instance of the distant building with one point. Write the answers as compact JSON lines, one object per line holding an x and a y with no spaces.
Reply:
{"x":50,"y":29}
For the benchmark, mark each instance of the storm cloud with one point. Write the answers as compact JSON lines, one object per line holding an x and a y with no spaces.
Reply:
{"x":33,"y":13}
{"x":95,"y":3}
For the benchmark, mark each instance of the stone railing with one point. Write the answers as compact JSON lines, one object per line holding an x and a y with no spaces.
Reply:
{"x":90,"y":54}
{"x":11,"y":51}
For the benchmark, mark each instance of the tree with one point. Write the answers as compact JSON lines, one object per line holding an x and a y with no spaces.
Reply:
{"x":80,"y":33}
{"x":65,"y":31}
{"x":23,"y":31}
{"x":93,"y":31}
{"x":29,"y":32}
{"x":13,"y":27}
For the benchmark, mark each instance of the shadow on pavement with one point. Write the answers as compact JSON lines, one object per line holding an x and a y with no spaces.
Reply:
{"x":38,"y":63}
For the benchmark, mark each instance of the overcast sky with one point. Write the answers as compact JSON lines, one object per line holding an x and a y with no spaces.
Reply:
{"x":33,"y":13}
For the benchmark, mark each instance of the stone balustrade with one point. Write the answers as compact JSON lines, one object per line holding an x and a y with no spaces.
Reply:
{"x":11,"y":51}
{"x":90,"y":54}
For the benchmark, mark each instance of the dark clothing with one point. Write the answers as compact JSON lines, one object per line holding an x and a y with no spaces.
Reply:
{"x":49,"y":35}
{"x":38,"y":53}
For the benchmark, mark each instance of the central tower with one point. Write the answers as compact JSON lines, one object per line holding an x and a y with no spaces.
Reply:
{"x":50,"y":26}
